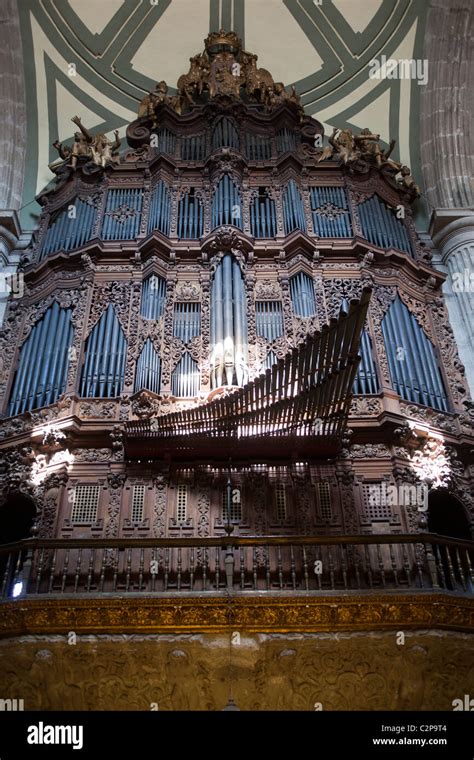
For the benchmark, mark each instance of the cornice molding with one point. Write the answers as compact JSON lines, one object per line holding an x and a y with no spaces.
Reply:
{"x":178,"y":614}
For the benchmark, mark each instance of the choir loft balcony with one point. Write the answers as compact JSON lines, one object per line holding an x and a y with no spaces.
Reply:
{"x":303,"y":565}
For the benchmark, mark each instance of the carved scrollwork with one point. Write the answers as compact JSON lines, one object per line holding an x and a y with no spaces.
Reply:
{"x":369,"y":450}
{"x":98,"y":409}
{"x":267,"y":290}
{"x":364,"y":406}
{"x":116,"y":293}
{"x":92,"y":455}
{"x":115,"y":482}
{"x":159,"y":509}
{"x":429,"y":416}
{"x":188,"y":291}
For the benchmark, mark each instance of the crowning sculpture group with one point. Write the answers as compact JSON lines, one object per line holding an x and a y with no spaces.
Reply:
{"x":225,"y":70}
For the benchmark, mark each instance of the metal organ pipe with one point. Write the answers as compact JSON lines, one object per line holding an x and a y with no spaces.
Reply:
{"x":366,"y":379}
{"x":218,"y":318}
{"x":60,"y":364}
{"x":225,"y":135}
{"x":65,"y":232}
{"x":159,"y":215}
{"x":302,"y":295}
{"x":153,"y":297}
{"x":240,"y":334}
{"x":229,"y":357}
{"x":36,"y":368}
{"x":426,"y":363}
{"x":381,"y":227}
{"x":104,"y":364}
{"x":323,"y":225}
{"x":413,"y":356}
{"x":108,"y":358}
{"x":228,"y":325}
{"x":113,"y":359}
{"x":397,"y":367}
{"x":47,"y":358}
{"x":43,"y":362}
{"x":190,"y":217}
{"x":193,"y":147}
{"x":185,"y":377}
{"x":226,"y":198}
{"x":418,"y":377}
{"x":293,"y":208}
{"x":407,"y":365}
{"x":263,"y":216}
{"x":98,"y":357}
{"x":91,"y":343}
{"x":148,"y":373}
{"x":122,"y":213}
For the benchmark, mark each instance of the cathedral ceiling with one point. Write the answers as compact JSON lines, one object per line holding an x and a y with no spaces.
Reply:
{"x":120,"y":48}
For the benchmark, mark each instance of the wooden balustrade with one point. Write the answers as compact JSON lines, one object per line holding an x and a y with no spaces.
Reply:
{"x":404,"y":562}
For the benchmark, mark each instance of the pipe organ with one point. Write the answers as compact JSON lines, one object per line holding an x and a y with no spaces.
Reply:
{"x":228,"y":325}
{"x":193,"y":286}
{"x":104,"y":361}
{"x":43,"y":362}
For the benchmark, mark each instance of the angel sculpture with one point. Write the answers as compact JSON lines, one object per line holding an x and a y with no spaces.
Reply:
{"x":98,"y":147}
{"x":408,"y":183}
{"x":342,"y":143}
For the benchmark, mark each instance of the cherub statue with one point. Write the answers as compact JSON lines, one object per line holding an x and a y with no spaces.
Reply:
{"x":278,"y":94}
{"x":63,"y":150}
{"x":58,"y":166}
{"x":194,"y":81}
{"x":104,"y":151}
{"x":82,"y":143}
{"x":150,"y":101}
{"x":341,"y":142}
{"x":369,"y":146}
{"x":100,"y":149}
{"x":408,"y":183}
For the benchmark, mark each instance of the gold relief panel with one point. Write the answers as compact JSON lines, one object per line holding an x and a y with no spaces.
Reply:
{"x":211,"y":614}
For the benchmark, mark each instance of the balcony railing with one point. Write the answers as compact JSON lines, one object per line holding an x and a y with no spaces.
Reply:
{"x":291,"y":564}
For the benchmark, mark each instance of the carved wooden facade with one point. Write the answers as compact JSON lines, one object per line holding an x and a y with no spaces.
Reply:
{"x":211,"y":171}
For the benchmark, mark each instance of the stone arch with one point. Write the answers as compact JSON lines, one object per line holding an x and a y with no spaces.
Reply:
{"x":447,"y":515}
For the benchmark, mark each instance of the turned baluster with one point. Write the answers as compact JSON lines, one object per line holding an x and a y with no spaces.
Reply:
{"x":368,"y":565}
{"x":179,"y":568}
{"x":381,"y":565}
{"x":128,"y":571}
{"x":305,"y":569}
{"x":280,"y":567}
{"x":393,"y":562}
{"x":90,"y":570}
{"x":293,"y":567}
{"x":52,"y":571}
{"x":167,"y":567}
{"x":78,"y":570}
{"x":140,"y":568}
{"x":191,"y":569}
{"x":65,"y":567}
{"x":6,"y":575}
{"x":102,"y":572}
{"x":406,"y":565}
{"x":115,"y":569}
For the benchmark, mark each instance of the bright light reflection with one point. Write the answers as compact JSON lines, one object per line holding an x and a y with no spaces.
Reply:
{"x":17,"y":589}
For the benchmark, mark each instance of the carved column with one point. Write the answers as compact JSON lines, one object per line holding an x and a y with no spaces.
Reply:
{"x":48,"y":500}
{"x":453,"y":234}
{"x":12,"y":242}
{"x":115,"y":481}
{"x":158,"y":523}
